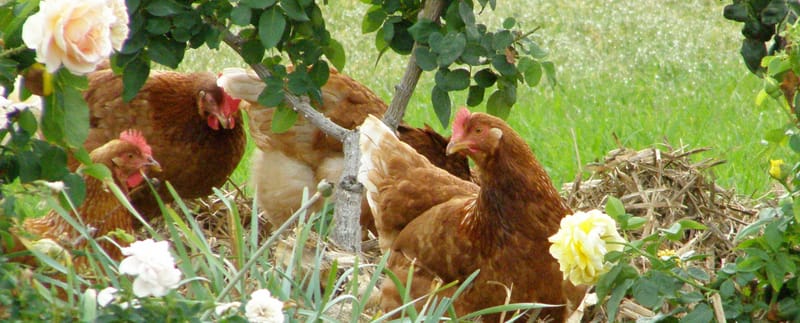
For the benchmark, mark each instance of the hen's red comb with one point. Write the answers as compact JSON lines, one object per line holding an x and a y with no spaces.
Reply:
{"x":460,"y":122}
{"x":136,"y":138}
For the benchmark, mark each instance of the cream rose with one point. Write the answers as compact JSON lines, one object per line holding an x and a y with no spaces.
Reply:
{"x":582,"y":242}
{"x":76,"y":34}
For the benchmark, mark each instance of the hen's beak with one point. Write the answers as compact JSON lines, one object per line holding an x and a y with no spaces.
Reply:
{"x":456,"y":146}
{"x":153,"y":164}
{"x":224,"y":121}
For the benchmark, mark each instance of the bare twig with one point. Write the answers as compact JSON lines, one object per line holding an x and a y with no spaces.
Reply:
{"x":397,"y":109}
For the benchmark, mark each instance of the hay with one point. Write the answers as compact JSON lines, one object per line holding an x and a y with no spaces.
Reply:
{"x":664,"y":185}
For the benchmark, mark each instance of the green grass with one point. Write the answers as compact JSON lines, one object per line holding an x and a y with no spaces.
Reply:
{"x":643,"y":71}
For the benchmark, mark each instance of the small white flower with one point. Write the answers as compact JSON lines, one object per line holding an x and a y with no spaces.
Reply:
{"x":56,"y":187}
{"x":106,"y":296}
{"x":222,"y":308}
{"x":76,"y":34}
{"x":153,"y":266}
{"x":263,"y":308}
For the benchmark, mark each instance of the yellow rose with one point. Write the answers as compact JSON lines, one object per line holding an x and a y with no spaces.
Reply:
{"x":76,"y":34}
{"x":582,"y":242}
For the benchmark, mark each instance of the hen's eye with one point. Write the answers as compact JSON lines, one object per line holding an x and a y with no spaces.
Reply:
{"x":478,"y":130}
{"x":130,"y":155}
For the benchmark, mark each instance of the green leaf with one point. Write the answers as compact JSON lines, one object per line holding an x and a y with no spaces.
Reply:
{"x":499,"y":104}
{"x":550,"y":71}
{"x":294,"y":11}
{"x":402,"y":42}
{"x":736,"y":12}
{"x":29,"y":167}
{"x":166,"y":51}
{"x":646,"y":293}
{"x":614,"y":207}
{"x":336,"y":54}
{"x":698,"y":274}
{"x":505,"y":68}
{"x":455,"y":80}
{"x":502,"y":40}
{"x":773,"y":236}
{"x":794,"y":142}
{"x":531,"y":69}
{"x":441,"y":105}
{"x":283,"y":119}
{"x":388,"y":31}
{"x":775,"y":275}
{"x":76,"y":119}
{"x":616,"y":298}
{"x":687,"y":224}
{"x":450,"y":48}
{"x":240,"y":15}
{"x":158,"y":26}
{"x":252,"y":51}
{"x":272,"y":95}
{"x":635,"y":222}
{"x":465,"y":11}
{"x":749,"y":264}
{"x":27,"y":121}
{"x":485,"y":78}
{"x":53,"y":161}
{"x":373,"y":20}
{"x":258,"y":4}
{"x":426,"y":60}
{"x":422,"y":29}
{"x":134,"y":77}
{"x":700,"y":314}
{"x":509,"y":23}
{"x":475,"y":96}
{"x":163,"y":8}
{"x":775,"y":12}
{"x":271,"y":25}
{"x":319,"y":73}
{"x":98,"y":171}
{"x":75,"y":188}
{"x":753,"y":51}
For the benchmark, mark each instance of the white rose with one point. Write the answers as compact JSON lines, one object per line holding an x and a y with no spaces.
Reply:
{"x":153,"y":266}
{"x":263,"y":308}
{"x":77,"y":34}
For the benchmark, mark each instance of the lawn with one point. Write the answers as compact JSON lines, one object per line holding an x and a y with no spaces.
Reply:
{"x":645,"y":73}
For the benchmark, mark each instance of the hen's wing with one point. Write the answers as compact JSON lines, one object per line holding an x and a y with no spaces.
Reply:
{"x":401,"y":184}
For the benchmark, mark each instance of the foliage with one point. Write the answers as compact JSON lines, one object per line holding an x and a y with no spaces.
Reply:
{"x":505,"y":58}
{"x":763,"y":22}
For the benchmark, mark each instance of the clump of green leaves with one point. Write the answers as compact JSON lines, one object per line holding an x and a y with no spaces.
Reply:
{"x":763,"y":21}
{"x":463,"y":53}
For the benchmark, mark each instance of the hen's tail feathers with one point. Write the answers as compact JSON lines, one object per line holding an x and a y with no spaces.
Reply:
{"x":241,"y":83}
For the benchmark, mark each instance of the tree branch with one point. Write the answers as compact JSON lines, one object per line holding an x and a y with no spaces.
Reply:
{"x":397,"y":108}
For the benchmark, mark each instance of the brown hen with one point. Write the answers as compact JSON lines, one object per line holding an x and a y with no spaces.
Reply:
{"x":449,"y":228}
{"x":192,"y":125}
{"x":286,"y":163}
{"x":128,"y":158}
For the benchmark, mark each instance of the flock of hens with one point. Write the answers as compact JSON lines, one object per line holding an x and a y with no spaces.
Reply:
{"x":427,"y":207}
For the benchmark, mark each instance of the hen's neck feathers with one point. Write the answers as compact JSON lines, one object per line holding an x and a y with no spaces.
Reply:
{"x":516,"y":195}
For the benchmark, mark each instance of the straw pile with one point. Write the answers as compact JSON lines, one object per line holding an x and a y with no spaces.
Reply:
{"x":664,"y":185}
